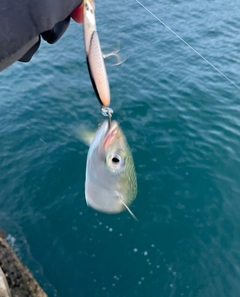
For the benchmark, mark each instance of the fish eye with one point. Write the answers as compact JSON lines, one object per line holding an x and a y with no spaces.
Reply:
{"x":115,"y":161}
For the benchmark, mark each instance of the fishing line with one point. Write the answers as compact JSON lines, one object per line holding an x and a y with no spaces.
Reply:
{"x":179,"y":37}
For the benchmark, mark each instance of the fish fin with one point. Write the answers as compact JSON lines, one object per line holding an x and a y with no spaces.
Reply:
{"x":129,"y":210}
{"x":85,"y":136}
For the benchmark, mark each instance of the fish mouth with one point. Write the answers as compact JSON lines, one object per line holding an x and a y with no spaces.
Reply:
{"x":110,"y":134}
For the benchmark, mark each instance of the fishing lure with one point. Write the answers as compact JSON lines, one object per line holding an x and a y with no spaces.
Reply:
{"x":94,"y":55}
{"x":95,"y":61}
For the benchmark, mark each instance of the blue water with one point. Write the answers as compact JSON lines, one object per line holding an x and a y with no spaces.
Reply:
{"x":182,"y":122}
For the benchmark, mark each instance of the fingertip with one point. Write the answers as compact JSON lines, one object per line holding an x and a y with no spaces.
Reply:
{"x":77,"y":14}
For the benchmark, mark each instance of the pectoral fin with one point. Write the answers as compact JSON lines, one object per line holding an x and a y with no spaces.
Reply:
{"x":85,"y":136}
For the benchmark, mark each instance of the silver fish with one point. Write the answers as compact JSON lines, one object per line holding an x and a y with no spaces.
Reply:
{"x":111,"y":183}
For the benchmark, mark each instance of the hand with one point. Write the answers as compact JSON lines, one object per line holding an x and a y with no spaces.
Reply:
{"x":24,"y":22}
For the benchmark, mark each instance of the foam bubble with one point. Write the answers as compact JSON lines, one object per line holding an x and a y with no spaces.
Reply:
{"x":11,"y":240}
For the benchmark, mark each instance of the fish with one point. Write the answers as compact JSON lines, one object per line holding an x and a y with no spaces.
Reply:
{"x":110,"y":181}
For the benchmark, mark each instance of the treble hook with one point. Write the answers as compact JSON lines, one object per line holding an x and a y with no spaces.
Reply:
{"x":114,"y":54}
{"x":107,"y":112}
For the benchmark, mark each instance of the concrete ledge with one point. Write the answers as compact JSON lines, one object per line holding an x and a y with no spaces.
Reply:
{"x":20,"y":280}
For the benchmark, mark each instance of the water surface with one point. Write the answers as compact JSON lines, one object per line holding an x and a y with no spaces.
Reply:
{"x":181,"y":119}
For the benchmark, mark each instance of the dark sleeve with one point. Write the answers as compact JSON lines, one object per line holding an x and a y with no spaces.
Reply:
{"x":22,"y":22}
